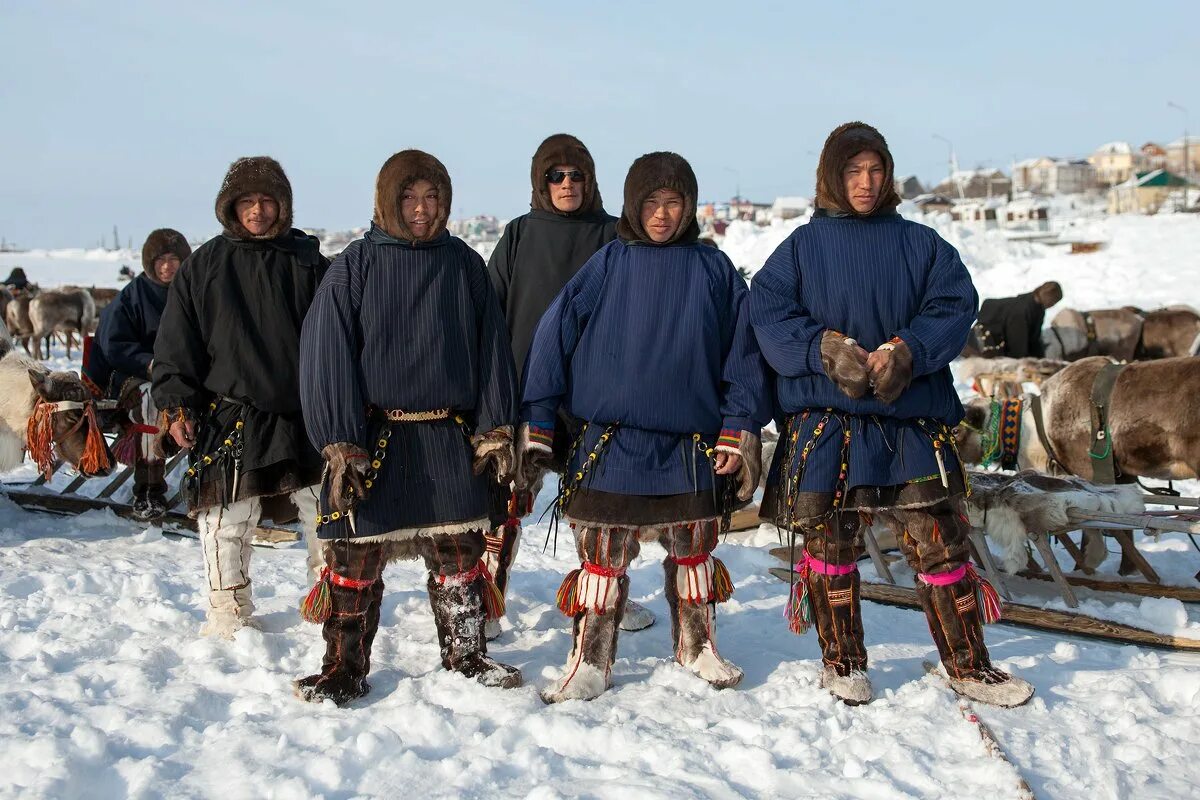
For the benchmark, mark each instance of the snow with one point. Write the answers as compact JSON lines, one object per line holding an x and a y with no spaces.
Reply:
{"x":107,"y":691}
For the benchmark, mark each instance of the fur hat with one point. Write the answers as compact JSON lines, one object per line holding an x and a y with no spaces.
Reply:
{"x":164,"y":241}
{"x":647,"y":175}
{"x":844,"y":143}
{"x":563,"y":148}
{"x":254,"y":174}
{"x":1049,"y":294}
{"x":400,"y":171}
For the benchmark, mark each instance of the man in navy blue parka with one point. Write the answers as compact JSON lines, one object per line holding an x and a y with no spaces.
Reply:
{"x":649,"y":345}
{"x":859,"y":314}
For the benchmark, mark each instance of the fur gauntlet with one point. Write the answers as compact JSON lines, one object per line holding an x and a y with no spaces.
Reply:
{"x":495,"y":446}
{"x":845,"y":363}
{"x":534,"y":453}
{"x":164,"y":445}
{"x":891,"y":370}
{"x":749,"y":449}
{"x":347,"y":470}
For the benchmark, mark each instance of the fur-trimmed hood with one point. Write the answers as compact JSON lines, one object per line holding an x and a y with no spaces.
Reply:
{"x":563,"y":148}
{"x":844,"y":143}
{"x":254,"y":174}
{"x":399,"y":171}
{"x":161,"y":242}
{"x":648,"y":174}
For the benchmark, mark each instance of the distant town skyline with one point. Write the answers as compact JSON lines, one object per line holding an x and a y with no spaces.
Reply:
{"x":130,"y":114}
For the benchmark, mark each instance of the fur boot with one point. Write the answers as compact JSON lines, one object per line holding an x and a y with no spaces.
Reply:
{"x":149,"y":490}
{"x":356,"y":593}
{"x":458,"y":611}
{"x":588,"y":673}
{"x":636,"y":617}
{"x":956,"y":622}
{"x":837,"y":615}
{"x":502,"y":545}
{"x":694,"y":622}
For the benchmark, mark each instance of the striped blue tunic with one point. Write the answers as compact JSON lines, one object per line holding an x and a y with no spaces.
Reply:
{"x":870,"y":278}
{"x":656,"y":339}
{"x":412,"y":326}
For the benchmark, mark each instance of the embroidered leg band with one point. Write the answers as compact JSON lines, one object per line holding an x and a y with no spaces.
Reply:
{"x":590,"y":588}
{"x":702,"y":579}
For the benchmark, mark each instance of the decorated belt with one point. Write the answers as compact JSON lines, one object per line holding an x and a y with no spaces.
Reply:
{"x":400,"y":415}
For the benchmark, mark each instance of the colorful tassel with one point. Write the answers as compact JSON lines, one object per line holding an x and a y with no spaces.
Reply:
{"x":986,"y":597}
{"x":722,"y":582}
{"x":799,"y":608}
{"x":493,"y":598}
{"x":568,"y":594}
{"x":318,"y":604}
{"x":125,"y":448}
{"x":95,"y":452}
{"x":39,"y":438}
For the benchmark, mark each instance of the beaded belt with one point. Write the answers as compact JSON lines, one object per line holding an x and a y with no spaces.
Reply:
{"x":400,"y":415}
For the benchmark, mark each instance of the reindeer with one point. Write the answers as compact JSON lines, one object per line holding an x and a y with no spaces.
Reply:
{"x":16,"y":315}
{"x":47,"y":413}
{"x":102,"y":297}
{"x":1112,"y":332}
{"x":70,"y":310}
{"x":1169,"y":332}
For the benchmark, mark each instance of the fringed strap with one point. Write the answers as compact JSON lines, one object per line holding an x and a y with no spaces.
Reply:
{"x":702,"y":579}
{"x":493,"y":598}
{"x":590,"y":588}
{"x":799,"y":608}
{"x":39,"y":438}
{"x":95,"y":452}
{"x":985,"y":595}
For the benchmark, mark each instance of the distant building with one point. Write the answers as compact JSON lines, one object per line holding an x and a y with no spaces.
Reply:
{"x":932,"y":203}
{"x":1144,"y":192}
{"x":981,"y":213}
{"x":1116,"y":162}
{"x":1026,"y":213}
{"x":1053,"y":176}
{"x":908,"y":187}
{"x":790,"y":207}
{"x":973,"y":184}
{"x":1175,"y":157}
{"x":1154,"y":156}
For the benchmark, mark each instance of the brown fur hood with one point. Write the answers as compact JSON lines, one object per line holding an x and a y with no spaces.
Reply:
{"x":844,"y":143}
{"x":563,"y":148}
{"x":648,"y":174}
{"x":164,"y":241}
{"x":399,"y":171}
{"x":254,"y":174}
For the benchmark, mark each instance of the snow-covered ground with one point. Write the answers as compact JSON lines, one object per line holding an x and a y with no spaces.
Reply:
{"x":106,"y":690}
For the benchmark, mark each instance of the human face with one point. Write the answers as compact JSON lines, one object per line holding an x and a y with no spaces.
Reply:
{"x":662,"y":212}
{"x":419,"y":207}
{"x":166,"y":266}
{"x":567,"y":196}
{"x":257,"y":212}
{"x":863,"y":178}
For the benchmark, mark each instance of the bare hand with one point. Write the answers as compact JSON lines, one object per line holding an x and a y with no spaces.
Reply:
{"x":727,"y":463}
{"x":184,"y":433}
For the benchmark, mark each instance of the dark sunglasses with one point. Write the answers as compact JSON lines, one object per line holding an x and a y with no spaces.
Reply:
{"x":556,"y":176}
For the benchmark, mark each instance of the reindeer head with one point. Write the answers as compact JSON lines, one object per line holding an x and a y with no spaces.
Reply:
{"x":968,"y":434}
{"x":64,"y":421}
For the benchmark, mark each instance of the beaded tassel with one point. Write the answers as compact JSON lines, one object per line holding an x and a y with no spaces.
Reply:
{"x":799,"y":608}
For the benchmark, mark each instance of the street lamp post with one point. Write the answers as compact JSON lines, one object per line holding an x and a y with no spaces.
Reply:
{"x":953,"y":161}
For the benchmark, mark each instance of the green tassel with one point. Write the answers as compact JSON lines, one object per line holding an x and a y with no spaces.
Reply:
{"x":318,"y":604}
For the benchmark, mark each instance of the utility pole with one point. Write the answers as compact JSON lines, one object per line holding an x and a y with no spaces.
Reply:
{"x":953,"y":163}
{"x":1187,"y":164}
{"x":116,"y":239}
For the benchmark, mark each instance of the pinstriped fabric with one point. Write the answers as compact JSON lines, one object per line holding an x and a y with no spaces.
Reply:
{"x":657,"y":339}
{"x":870,"y":278}
{"x":417,"y":327}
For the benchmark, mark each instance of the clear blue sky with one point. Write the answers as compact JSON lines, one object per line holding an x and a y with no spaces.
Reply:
{"x":129,"y":113}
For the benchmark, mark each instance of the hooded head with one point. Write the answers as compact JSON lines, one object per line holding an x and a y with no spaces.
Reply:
{"x":1049,"y":294}
{"x":254,"y":174}
{"x":844,"y":143}
{"x":560,"y":149}
{"x":648,"y":174}
{"x":399,"y":172}
{"x":163,"y":242}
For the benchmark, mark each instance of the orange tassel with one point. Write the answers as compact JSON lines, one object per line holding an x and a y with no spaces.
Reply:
{"x":493,"y":598}
{"x":318,"y":604}
{"x":39,"y":438}
{"x":722,"y":583}
{"x":95,"y":453}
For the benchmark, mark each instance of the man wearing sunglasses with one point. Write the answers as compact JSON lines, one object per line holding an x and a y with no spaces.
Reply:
{"x":535,"y":257}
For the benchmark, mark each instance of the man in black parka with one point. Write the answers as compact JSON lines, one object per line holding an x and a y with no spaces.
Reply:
{"x":536,"y":255}
{"x":1011,"y":327}
{"x":118,"y":362}
{"x":227,"y":377}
